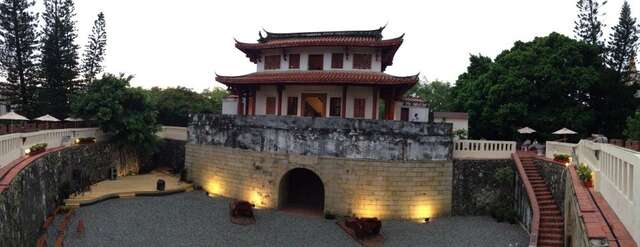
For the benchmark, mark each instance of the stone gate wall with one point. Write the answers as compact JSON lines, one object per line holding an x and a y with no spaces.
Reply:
{"x":385,"y":189}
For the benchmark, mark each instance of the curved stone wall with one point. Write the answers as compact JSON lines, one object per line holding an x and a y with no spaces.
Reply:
{"x":36,"y":190}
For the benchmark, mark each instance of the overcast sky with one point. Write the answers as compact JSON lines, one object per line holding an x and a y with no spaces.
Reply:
{"x":185,"y":42}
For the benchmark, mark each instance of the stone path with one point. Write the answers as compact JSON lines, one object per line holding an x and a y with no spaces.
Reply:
{"x":194,"y":219}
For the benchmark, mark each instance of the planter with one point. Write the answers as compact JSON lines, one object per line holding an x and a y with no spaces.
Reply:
{"x":617,"y":142}
{"x":36,"y":149}
{"x":588,"y":183}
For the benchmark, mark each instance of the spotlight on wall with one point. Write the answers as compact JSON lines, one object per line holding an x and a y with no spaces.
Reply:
{"x":27,"y":151}
{"x":566,"y":164}
{"x":77,"y":141}
{"x":427,"y":220}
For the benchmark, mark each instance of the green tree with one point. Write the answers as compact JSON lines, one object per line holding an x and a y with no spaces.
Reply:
{"x":437,"y":94}
{"x":175,"y":104}
{"x":17,"y":54}
{"x":59,"y":61}
{"x":214,"y":98}
{"x":123,"y":112}
{"x":623,"y":42}
{"x":548,"y":83}
{"x":95,"y":49}
{"x":588,"y":27}
{"x":633,"y":127}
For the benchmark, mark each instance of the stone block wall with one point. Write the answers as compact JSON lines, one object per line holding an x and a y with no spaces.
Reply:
{"x":385,"y":189}
{"x":41,"y":186}
{"x":554,"y":175}
{"x":475,"y":188}
{"x":335,"y":137}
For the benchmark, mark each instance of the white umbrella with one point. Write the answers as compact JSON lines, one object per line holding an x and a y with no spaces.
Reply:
{"x":565,"y":131}
{"x":70,"y":119}
{"x":12,"y":116}
{"x":526,"y":130}
{"x":47,"y":118}
{"x":75,"y":120}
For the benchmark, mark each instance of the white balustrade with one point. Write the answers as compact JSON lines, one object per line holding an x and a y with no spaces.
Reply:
{"x":12,"y":146}
{"x":483,"y":149}
{"x":553,"y":148}
{"x":173,"y":133}
{"x":617,"y":177}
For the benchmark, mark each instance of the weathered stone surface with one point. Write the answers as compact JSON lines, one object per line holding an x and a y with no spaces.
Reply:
{"x":554,"y":176}
{"x":336,"y":137}
{"x":38,"y":188}
{"x":170,"y":154}
{"x":475,"y":189}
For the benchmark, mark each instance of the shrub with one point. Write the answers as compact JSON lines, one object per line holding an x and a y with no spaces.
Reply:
{"x":632,"y":131}
{"x":584,"y":172}
{"x":37,"y":148}
{"x":564,"y":158}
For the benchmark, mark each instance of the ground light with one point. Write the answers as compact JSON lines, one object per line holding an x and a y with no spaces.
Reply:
{"x":427,"y":220}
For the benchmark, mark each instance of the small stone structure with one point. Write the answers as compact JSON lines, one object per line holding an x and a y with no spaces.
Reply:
{"x":384,"y":169}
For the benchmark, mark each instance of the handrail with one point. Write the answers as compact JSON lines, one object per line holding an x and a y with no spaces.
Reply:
{"x":535,"y":218}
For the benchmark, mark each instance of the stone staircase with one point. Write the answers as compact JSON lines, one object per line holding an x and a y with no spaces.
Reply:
{"x":551,"y":219}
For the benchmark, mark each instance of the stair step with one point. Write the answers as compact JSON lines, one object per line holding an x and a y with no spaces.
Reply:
{"x":550,"y":213}
{"x":552,"y":230}
{"x":554,"y":219}
{"x":549,"y":242}
{"x":552,"y":225}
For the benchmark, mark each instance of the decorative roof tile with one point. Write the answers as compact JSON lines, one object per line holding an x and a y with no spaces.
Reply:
{"x":318,"y":77}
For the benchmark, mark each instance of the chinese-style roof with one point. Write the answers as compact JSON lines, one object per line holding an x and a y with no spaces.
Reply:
{"x":414,"y":101}
{"x":451,"y":115}
{"x":318,"y":78}
{"x":366,"y":38}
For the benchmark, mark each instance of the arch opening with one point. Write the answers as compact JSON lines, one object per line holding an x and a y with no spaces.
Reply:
{"x":301,"y":190}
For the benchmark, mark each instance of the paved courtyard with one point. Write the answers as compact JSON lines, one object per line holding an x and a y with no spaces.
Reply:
{"x":194,"y":219}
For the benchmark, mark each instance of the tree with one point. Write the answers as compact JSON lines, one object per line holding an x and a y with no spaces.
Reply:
{"x":623,"y":42}
{"x":588,"y":27}
{"x":59,"y":61}
{"x":175,"y":104}
{"x":632,"y":130}
{"x":548,"y":83}
{"x":17,"y":54}
{"x":95,"y":49}
{"x":437,"y":94}
{"x":123,"y":112}
{"x":214,"y":98}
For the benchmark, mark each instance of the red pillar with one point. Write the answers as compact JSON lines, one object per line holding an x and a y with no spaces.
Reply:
{"x":344,"y":101}
{"x":279,"y":105}
{"x":374,"y":106}
{"x":389,"y":108}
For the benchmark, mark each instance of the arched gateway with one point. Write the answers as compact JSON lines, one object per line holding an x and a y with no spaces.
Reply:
{"x":301,"y":189}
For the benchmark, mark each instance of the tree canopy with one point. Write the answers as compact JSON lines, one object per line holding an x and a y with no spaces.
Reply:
{"x":175,"y":104}
{"x":123,"y":112}
{"x":548,"y":83}
{"x":436,"y":93}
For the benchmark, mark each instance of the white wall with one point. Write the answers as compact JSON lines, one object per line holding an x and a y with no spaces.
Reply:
{"x":458,"y":124}
{"x":423,"y":112}
{"x":347,"y":63}
{"x":230,"y":106}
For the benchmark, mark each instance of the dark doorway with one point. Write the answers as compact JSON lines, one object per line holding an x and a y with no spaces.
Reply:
{"x":301,"y":190}
{"x":404,"y":114}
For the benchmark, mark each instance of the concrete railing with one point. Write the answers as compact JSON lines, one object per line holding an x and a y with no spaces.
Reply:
{"x":553,"y":148}
{"x":12,"y":146}
{"x":616,"y":173}
{"x":483,"y":149}
{"x":173,"y":133}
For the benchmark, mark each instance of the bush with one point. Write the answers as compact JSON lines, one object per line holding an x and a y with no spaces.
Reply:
{"x":563,"y":158}
{"x":584,"y":172}
{"x":37,"y":148}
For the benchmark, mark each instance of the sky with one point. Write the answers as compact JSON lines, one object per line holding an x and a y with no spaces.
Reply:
{"x":169,"y":43}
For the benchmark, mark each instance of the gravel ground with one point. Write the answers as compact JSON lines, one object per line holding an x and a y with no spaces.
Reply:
{"x":193,"y":219}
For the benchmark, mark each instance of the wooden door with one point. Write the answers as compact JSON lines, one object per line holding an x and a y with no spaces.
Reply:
{"x":314,"y":104}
